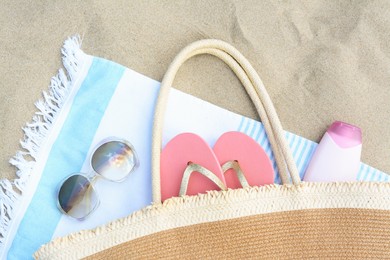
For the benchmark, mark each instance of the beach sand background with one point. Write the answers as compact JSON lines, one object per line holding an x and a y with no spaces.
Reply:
{"x":321,"y":61}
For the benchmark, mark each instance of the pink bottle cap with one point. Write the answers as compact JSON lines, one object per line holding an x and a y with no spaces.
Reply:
{"x":345,"y":135}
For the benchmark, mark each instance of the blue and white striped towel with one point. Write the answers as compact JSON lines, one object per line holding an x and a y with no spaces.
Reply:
{"x":96,"y":99}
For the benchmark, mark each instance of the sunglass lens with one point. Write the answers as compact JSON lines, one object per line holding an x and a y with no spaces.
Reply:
{"x":114,"y":160}
{"x":77,"y":197}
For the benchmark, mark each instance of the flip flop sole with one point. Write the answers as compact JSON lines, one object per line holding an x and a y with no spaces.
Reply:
{"x":253,"y":160}
{"x":176,"y":155}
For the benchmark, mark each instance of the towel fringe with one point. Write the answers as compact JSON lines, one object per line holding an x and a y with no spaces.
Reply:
{"x":35,"y":132}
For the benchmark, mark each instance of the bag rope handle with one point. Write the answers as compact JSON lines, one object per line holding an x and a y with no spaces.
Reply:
{"x":256,"y":91}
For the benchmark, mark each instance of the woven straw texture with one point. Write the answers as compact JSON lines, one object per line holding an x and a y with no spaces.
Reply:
{"x":355,"y":215}
{"x":304,"y":234}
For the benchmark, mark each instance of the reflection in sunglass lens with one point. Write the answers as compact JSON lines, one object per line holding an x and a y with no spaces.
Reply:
{"x":77,"y":197}
{"x":114,"y":160}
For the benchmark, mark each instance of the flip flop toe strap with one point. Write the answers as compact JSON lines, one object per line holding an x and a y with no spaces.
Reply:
{"x":194,"y":167}
{"x":234,"y":164}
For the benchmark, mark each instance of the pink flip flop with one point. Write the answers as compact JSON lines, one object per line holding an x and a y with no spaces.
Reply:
{"x":189,"y":166}
{"x":239,"y":151}
{"x":182,"y":150}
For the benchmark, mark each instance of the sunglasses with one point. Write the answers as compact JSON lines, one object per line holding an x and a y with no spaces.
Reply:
{"x":113,"y":159}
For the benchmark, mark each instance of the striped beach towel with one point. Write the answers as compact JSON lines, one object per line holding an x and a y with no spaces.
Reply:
{"x":94,"y":99}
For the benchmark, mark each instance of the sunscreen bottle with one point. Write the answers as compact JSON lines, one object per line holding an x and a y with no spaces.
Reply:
{"x":337,"y":156}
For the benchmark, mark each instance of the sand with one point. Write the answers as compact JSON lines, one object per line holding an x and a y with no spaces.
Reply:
{"x":321,"y":61}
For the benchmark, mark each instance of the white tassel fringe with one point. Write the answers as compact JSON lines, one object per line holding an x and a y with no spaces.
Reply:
{"x":35,"y":132}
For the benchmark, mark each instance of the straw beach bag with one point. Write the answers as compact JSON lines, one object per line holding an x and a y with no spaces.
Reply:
{"x":293,"y":220}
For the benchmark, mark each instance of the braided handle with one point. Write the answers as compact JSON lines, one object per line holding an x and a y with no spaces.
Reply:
{"x":256,"y":91}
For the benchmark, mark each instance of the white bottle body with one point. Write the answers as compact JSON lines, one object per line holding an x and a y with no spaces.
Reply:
{"x":332,"y":162}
